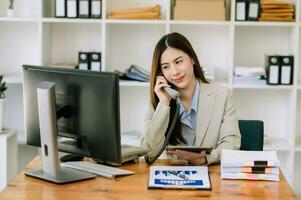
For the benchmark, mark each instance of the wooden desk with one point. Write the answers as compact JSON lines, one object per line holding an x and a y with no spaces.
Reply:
{"x":135,"y":187}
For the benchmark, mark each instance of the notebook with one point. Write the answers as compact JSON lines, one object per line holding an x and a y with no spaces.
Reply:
{"x":253,"y":170}
{"x":249,"y":176}
{"x":179,"y":177}
{"x":235,"y":158}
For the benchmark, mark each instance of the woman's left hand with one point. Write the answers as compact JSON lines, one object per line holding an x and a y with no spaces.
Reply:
{"x":191,"y":157}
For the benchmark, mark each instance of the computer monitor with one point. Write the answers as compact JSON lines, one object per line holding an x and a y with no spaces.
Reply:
{"x":87,"y":108}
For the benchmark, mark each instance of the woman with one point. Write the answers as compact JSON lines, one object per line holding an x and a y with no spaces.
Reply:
{"x":207,"y":115}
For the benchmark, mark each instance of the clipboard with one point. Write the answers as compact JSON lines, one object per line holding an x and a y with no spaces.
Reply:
{"x":190,"y":177}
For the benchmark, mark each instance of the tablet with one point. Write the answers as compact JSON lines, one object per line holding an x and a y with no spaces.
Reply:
{"x":190,"y":148}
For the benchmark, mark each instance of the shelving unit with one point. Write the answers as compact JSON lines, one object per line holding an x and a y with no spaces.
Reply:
{"x":34,"y":36}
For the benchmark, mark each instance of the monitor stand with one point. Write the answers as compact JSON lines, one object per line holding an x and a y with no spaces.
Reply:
{"x":52,"y":171}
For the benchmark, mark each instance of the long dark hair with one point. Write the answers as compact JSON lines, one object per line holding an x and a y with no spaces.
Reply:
{"x":177,"y":41}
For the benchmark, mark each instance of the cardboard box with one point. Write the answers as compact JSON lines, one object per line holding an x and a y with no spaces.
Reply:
{"x":210,"y":10}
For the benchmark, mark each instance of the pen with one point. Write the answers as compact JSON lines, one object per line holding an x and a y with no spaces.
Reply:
{"x":178,"y":174}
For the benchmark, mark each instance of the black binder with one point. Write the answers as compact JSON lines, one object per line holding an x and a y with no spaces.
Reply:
{"x":253,"y":10}
{"x":286,"y":70}
{"x":96,"y":8}
{"x":60,"y":8}
{"x":83,"y":60}
{"x":95,"y":61}
{"x":241,"y":8}
{"x":84,"y":8}
{"x":72,"y":8}
{"x":273,"y":70}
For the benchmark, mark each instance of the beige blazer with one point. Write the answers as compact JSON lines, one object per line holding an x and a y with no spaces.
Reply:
{"x":217,"y":124}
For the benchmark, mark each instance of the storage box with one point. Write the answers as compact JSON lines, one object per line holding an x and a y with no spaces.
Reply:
{"x":199,"y":10}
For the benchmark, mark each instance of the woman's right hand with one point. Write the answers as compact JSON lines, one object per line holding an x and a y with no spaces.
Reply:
{"x":161,"y":82}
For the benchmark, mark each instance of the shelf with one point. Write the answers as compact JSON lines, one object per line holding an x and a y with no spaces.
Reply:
{"x":266,"y":24}
{"x":264,"y":87}
{"x":71,"y":20}
{"x":211,"y":23}
{"x":13,"y":79}
{"x":124,"y":83}
{"x":128,"y":21}
{"x":276,"y":144}
{"x":17,"y":79}
{"x":18,"y":19}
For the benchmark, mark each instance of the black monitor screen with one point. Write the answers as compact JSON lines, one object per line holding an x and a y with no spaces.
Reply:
{"x":87,"y":105}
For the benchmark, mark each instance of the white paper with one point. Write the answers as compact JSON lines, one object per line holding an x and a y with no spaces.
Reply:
{"x":249,"y":71}
{"x":84,"y":7}
{"x":274,"y":74}
{"x":60,"y":8}
{"x":239,"y":158}
{"x":83,"y":66}
{"x":253,"y":10}
{"x":249,"y":176}
{"x":197,"y":177}
{"x":273,"y":170}
{"x":71,"y":8}
{"x":285,"y":74}
{"x":240,"y":11}
{"x":95,"y":8}
{"x":95,"y":66}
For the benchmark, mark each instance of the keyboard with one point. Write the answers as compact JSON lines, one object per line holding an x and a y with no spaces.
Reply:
{"x":98,"y":169}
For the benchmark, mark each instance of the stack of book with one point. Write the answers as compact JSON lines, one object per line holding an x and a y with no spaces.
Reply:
{"x":252,"y":165}
{"x":254,"y":75}
{"x":153,"y":12}
{"x":276,"y":11}
{"x":134,"y":73}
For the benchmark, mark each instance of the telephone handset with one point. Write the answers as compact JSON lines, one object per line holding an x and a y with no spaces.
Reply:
{"x":174,"y":94}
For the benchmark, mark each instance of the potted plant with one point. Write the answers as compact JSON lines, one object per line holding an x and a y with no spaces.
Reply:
{"x":2,"y":97}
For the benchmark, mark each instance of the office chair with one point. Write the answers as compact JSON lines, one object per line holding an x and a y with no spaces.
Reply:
{"x":251,"y":135}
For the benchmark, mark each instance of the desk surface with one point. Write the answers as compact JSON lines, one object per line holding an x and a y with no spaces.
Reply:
{"x":135,"y":187}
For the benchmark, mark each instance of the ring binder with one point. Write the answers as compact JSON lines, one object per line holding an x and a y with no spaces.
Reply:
{"x":273,"y":70}
{"x":287,"y":70}
{"x":72,"y":6}
{"x":95,"y":58}
{"x":84,"y":9}
{"x":253,"y":10}
{"x":84,"y":60}
{"x":241,"y":10}
{"x":60,"y":8}
{"x":96,"y":8}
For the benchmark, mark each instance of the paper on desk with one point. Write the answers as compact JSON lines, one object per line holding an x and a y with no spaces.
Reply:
{"x":197,"y":177}
{"x":249,"y":176}
{"x":236,"y":158}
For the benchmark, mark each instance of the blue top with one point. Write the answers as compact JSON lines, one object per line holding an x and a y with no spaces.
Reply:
{"x":188,"y":119}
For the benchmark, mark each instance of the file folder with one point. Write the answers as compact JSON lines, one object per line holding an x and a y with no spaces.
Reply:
{"x":96,"y":8}
{"x":253,"y":10}
{"x":241,"y":10}
{"x":95,"y":58}
{"x":60,"y":8}
{"x":83,"y":60}
{"x":84,"y":9}
{"x":72,"y":8}
{"x":273,"y":70}
{"x":287,"y":70}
